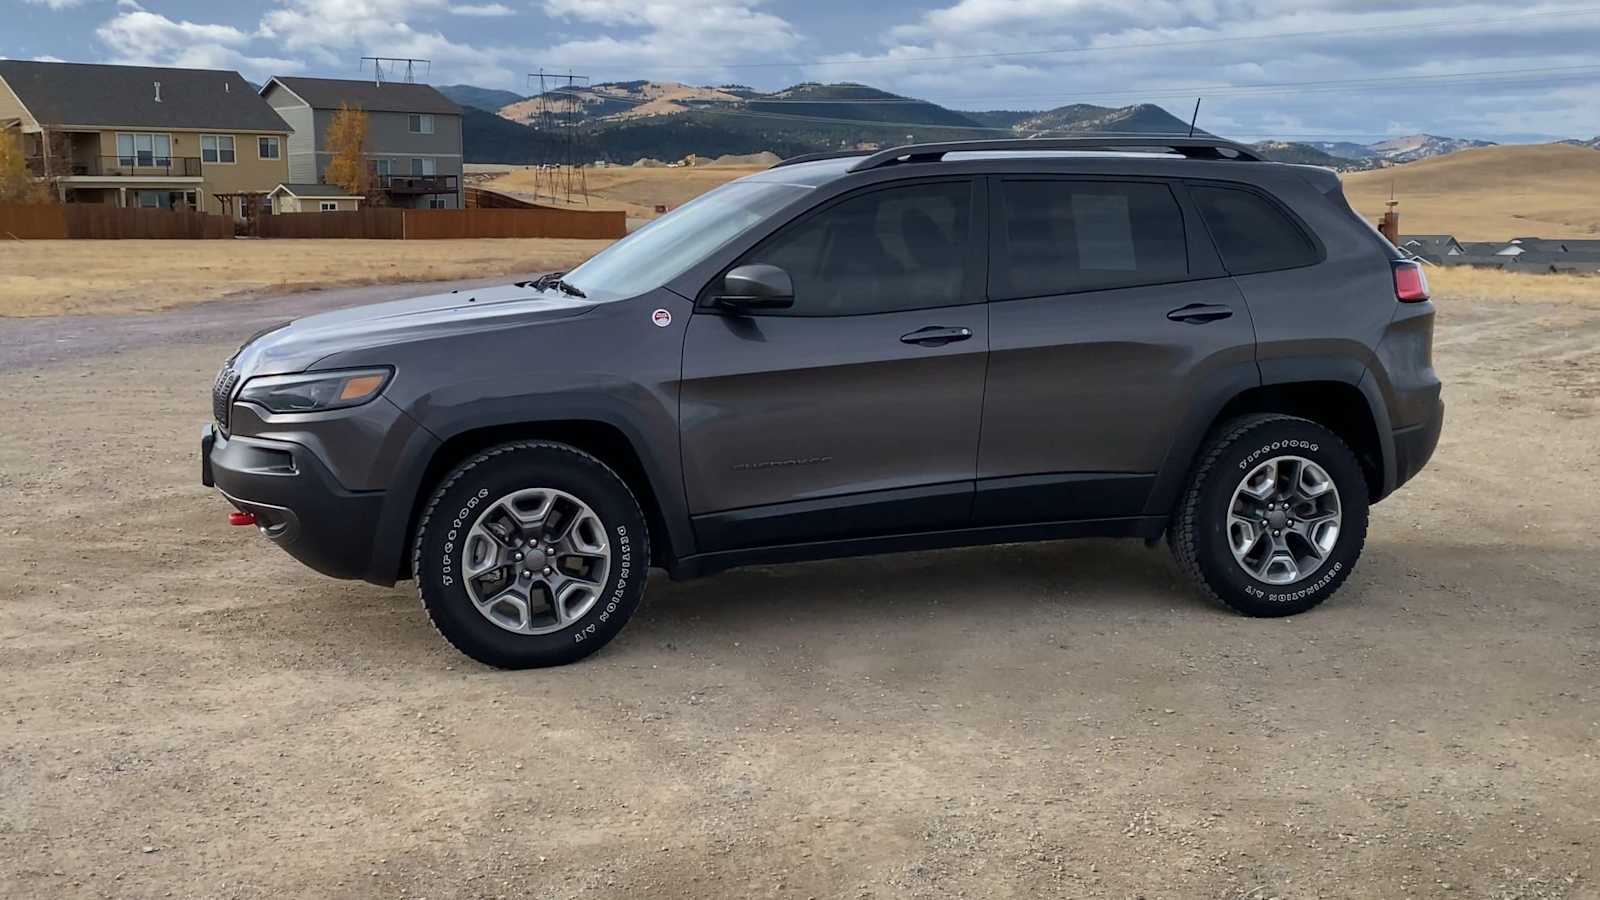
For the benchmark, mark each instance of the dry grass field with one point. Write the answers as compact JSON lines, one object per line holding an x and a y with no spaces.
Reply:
{"x":634,"y":189}
{"x":40,"y":278}
{"x":1491,"y":194}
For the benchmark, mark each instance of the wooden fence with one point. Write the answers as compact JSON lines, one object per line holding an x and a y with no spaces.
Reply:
{"x":105,"y":222}
{"x":544,"y":222}
{"x":94,"y":221}
{"x":44,"y":222}
{"x":374,"y":223}
{"x":379,"y":223}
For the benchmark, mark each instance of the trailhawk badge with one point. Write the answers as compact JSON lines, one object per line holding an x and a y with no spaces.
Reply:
{"x":661,"y":317}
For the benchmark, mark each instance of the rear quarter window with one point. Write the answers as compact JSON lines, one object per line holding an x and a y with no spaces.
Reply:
{"x":1252,"y":233}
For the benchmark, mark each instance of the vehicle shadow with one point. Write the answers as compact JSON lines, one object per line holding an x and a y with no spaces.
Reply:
{"x":979,"y":580}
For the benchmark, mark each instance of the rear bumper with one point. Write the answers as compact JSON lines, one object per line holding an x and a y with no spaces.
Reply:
{"x":297,"y":502}
{"x":1414,"y":446}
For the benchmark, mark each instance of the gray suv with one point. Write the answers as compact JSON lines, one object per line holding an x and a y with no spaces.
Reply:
{"x":935,"y":345}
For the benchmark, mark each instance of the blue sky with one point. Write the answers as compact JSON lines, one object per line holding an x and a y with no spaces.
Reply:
{"x":1268,"y":68}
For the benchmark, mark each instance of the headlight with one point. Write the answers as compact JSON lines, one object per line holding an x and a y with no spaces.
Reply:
{"x":315,"y":391}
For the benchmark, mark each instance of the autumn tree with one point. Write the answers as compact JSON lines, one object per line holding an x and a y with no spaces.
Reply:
{"x":347,"y":141}
{"x":17,"y":184}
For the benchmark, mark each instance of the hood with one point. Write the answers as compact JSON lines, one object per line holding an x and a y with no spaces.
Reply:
{"x":298,"y":345}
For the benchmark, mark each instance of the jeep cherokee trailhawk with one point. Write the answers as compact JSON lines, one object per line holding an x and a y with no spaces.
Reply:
{"x":930,"y":346}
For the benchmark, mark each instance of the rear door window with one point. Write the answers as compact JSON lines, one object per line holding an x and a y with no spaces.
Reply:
{"x":1251,"y":232}
{"x":1060,"y":237}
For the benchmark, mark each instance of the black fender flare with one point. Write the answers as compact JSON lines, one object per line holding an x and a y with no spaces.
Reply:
{"x":1230,"y":383}
{"x":664,"y":478}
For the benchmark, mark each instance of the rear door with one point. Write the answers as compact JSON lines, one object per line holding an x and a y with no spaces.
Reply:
{"x":1109,"y":316}
{"x":855,"y":413}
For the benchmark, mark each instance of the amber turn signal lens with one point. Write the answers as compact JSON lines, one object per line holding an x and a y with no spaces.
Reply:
{"x":360,"y":387}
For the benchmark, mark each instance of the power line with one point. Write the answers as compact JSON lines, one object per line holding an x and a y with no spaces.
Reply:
{"x":1400,"y":31}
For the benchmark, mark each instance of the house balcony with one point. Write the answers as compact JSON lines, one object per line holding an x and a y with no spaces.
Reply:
{"x":133,"y":167}
{"x":409,"y":185}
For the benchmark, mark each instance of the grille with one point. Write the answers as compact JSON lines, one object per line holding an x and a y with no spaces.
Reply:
{"x":222,"y":393}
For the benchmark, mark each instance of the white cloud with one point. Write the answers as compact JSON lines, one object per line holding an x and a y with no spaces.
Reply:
{"x":1205,"y":46}
{"x":675,"y":33}
{"x":482,"y":10}
{"x":56,"y":4}
{"x":140,"y":37}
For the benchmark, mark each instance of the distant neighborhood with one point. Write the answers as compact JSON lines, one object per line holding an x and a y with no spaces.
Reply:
{"x":206,"y":140}
{"x":1524,"y":254}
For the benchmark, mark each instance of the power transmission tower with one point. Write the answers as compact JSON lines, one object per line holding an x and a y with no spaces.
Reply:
{"x":561,"y":170}
{"x":394,"y":62}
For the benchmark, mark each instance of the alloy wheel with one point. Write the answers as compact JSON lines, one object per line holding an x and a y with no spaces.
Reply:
{"x":1283,"y":520}
{"x":535,"y":561}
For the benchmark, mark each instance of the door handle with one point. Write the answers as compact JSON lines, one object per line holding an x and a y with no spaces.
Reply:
{"x":1200,"y":313}
{"x":936,"y":336}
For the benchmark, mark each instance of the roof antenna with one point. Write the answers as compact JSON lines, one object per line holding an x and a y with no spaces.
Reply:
{"x":1194,"y":118}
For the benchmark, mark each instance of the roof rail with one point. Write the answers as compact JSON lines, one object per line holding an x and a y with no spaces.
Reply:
{"x":815,"y":157}
{"x":1191,"y":148}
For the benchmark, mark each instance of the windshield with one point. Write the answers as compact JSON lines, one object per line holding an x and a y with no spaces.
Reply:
{"x":667,"y":247}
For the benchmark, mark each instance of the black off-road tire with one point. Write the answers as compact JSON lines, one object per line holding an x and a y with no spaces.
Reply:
{"x":1198,"y":531}
{"x":493,"y":474}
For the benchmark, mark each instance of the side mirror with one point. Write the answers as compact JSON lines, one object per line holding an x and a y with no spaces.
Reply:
{"x":754,"y":287}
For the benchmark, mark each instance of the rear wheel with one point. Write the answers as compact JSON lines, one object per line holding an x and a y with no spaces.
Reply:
{"x":1274,"y":516}
{"x":531,"y":554}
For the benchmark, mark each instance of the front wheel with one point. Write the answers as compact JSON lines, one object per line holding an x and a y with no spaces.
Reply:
{"x":1274,"y":516}
{"x":531,"y":554}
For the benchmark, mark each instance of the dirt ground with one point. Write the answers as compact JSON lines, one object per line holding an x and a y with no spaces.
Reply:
{"x":41,"y":278}
{"x":187,"y":712}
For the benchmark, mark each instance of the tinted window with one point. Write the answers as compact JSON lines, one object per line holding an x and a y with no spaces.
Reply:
{"x":894,"y":249}
{"x":1252,"y":234}
{"x":1063,"y":236}
{"x":666,"y":248}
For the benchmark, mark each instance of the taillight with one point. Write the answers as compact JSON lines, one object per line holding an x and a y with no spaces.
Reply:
{"x":1410,"y":284}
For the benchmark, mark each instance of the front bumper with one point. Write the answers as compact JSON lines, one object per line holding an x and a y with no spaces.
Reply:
{"x":297,"y":502}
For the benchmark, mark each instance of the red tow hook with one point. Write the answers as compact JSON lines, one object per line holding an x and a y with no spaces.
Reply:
{"x":241,"y":518}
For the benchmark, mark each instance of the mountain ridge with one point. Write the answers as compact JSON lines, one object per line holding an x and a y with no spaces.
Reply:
{"x":623,"y":122}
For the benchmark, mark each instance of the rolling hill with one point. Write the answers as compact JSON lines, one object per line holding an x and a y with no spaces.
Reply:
{"x":630,"y":120}
{"x":1489,"y":193}
{"x":487,"y":99}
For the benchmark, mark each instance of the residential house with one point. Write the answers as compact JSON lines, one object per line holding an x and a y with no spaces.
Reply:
{"x":413,"y":135}
{"x":140,"y":136}
{"x":293,"y":198}
{"x":1431,"y":247}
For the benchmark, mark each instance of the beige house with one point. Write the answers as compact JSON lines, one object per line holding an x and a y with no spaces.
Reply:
{"x":294,"y":198}
{"x":146,"y":137}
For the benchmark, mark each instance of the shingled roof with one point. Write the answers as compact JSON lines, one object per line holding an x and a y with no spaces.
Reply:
{"x":393,"y":96}
{"x":125,"y":96}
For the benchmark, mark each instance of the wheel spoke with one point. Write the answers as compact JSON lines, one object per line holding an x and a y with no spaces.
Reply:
{"x":482,"y":553}
{"x":510,"y":608}
{"x":1262,"y":480}
{"x":1243,"y":534}
{"x":1312,"y":482}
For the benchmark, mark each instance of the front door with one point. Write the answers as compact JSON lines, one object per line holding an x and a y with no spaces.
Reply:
{"x":855,"y":413}
{"x":1110,"y":317}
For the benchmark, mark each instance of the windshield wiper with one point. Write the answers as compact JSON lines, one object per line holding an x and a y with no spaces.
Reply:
{"x":554,"y":280}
